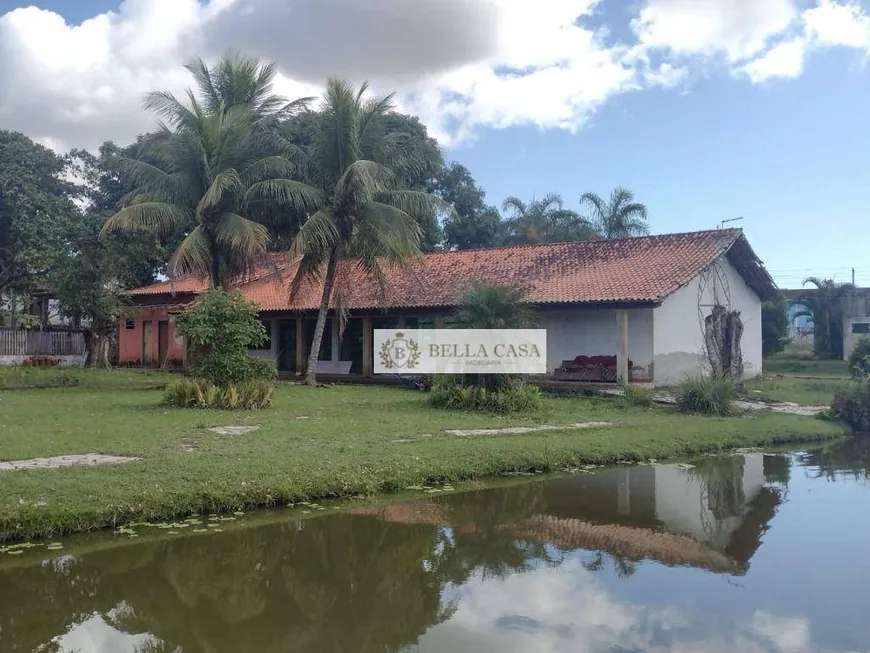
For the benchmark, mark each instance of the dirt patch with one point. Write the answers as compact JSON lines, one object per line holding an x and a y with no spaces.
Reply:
{"x":519,"y":430}
{"x":71,"y":460}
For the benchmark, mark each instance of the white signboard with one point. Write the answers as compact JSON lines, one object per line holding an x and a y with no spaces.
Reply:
{"x":460,"y":351}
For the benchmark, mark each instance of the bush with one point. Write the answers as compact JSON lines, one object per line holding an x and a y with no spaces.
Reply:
{"x":859,"y":359}
{"x":221,"y":327}
{"x":515,"y":396}
{"x":636,"y":395}
{"x":706,"y":395}
{"x":852,"y":407}
{"x":774,"y":327}
{"x":199,"y":393}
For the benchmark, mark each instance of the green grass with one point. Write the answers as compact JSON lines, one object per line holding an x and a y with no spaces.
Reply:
{"x":16,"y":377}
{"x":352,"y":440}
{"x":798,"y":360}
{"x":798,"y":390}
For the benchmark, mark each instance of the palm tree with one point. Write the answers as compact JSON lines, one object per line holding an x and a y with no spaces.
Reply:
{"x":487,"y":305}
{"x":352,"y":168}
{"x":544,"y":221}
{"x":208,"y":174}
{"x":620,"y":216}
{"x":237,"y":81}
{"x":823,"y":306}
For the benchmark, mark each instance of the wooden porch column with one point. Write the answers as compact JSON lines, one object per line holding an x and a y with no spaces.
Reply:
{"x":622,"y":347}
{"x":336,"y":341}
{"x":368,"y":343}
{"x":300,"y":346}
{"x":439,"y":322}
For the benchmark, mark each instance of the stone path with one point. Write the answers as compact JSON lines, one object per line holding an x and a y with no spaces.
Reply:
{"x":71,"y":460}
{"x":778,"y":407}
{"x":518,"y":430}
{"x":233,"y":430}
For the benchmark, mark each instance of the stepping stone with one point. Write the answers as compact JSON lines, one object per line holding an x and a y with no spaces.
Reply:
{"x":518,"y":430}
{"x":233,"y":430}
{"x":71,"y":460}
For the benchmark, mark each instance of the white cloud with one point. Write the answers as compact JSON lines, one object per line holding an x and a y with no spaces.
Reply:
{"x":785,"y":60}
{"x":737,"y":28}
{"x":832,"y":24}
{"x":460,"y":64}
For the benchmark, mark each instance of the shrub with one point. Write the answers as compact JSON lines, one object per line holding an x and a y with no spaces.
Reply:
{"x":859,"y":359}
{"x":636,"y":395}
{"x":774,"y":327}
{"x":221,"y":327}
{"x":852,"y":407}
{"x":199,"y":393}
{"x":515,"y":396}
{"x":706,"y":395}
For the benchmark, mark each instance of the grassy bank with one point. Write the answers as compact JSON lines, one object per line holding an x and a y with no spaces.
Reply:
{"x":315,"y":442}
{"x":805,"y":391}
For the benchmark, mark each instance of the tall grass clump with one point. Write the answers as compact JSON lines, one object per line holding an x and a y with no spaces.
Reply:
{"x":636,"y":395}
{"x":706,"y":395}
{"x":852,"y":407}
{"x":199,"y":393}
{"x":458,"y":393}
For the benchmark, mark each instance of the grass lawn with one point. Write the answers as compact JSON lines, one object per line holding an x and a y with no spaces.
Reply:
{"x":797,"y":360}
{"x":20,"y":377}
{"x":314,"y":443}
{"x":798,"y":390}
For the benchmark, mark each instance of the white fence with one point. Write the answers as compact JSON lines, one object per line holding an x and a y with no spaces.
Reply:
{"x":17,"y":342}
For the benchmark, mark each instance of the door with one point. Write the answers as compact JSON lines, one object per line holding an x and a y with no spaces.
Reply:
{"x":147,"y":344}
{"x":162,"y":342}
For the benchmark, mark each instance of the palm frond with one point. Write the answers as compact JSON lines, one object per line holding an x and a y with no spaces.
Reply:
{"x":247,"y":239}
{"x":226,"y":183}
{"x":286,"y":192}
{"x":362,"y":181}
{"x":193,"y":255}
{"x":154,"y":182}
{"x":317,"y":237}
{"x":385,"y":231}
{"x":161,"y":217}
{"x":270,"y":167}
{"x":204,"y":82}
{"x":514,"y":204}
{"x":416,"y":203}
{"x":597,"y":204}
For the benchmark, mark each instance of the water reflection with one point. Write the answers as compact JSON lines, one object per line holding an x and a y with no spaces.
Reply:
{"x":652,"y":558}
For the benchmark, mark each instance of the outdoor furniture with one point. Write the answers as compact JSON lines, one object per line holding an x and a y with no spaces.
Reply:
{"x":592,"y":369}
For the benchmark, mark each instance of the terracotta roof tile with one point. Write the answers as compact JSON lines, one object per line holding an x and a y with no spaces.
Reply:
{"x":642,"y":270}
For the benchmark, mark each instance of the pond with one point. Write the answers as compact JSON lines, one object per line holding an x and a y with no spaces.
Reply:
{"x":753,"y":552}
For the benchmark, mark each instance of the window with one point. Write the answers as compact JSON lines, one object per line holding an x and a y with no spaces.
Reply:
{"x":130,"y":323}
{"x":861,"y":327}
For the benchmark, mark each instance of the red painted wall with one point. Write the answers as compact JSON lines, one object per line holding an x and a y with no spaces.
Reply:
{"x":130,"y":340}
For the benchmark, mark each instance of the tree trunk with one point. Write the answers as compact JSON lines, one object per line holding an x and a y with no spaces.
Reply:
{"x":313,"y":355}
{"x":98,"y":344}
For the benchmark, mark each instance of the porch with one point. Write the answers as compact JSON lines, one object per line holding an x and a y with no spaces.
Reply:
{"x":590,"y":347}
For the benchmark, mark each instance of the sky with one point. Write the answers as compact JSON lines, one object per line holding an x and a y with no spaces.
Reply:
{"x":708,"y":110}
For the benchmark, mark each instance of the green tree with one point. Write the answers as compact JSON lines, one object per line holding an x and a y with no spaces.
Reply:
{"x":774,"y":326}
{"x":472,"y":223}
{"x":208,"y":179}
{"x":823,"y":305}
{"x":618,"y":217}
{"x":353,"y":168}
{"x":222,"y":326}
{"x":36,"y":211}
{"x":544,"y":220}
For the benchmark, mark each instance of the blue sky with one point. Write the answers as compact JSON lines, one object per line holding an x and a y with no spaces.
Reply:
{"x":765,"y":119}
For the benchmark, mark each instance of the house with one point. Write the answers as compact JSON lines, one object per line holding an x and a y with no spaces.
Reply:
{"x":642,"y":300}
{"x":854,"y":308}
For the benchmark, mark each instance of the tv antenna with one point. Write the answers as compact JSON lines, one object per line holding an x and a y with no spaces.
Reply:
{"x":724,"y":222}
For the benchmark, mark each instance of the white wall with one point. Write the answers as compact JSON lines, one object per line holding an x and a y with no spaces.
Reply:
{"x":849,"y":338}
{"x":592,"y":332}
{"x":679,"y":336}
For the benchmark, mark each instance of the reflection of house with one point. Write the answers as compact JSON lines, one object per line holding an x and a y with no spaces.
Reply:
{"x":638,"y":299}
{"x":709,"y":516}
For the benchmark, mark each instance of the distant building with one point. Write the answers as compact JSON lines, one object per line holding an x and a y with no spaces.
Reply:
{"x":660,"y":287}
{"x":855,"y":309}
